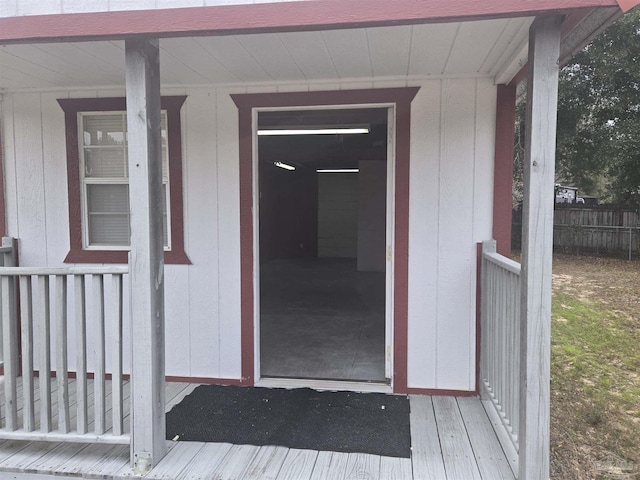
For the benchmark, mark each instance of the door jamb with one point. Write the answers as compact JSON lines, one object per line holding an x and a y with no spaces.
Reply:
{"x":246,"y":103}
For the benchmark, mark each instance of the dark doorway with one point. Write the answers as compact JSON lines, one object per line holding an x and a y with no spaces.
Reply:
{"x":322,"y":234}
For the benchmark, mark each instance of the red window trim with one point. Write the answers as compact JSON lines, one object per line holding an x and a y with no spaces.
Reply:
{"x":77,"y":254}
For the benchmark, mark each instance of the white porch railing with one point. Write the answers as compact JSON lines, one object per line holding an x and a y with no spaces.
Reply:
{"x":500,"y":329}
{"x":7,"y":259}
{"x":31,"y":323}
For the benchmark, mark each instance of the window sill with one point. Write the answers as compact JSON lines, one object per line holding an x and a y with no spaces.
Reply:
{"x":172,"y":257}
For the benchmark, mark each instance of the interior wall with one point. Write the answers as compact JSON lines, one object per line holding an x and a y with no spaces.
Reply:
{"x":372,"y":218}
{"x":288,"y":213}
{"x":338,"y":215}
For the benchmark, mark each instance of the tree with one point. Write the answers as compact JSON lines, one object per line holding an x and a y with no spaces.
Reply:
{"x":598,"y":148}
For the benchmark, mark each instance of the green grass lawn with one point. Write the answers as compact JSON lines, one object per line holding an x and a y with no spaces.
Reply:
{"x":595,"y":388}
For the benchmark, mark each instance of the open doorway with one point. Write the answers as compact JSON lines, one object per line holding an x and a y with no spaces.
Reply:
{"x":324,"y":227}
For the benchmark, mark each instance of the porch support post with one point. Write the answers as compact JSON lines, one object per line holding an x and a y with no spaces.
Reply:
{"x":537,"y":245}
{"x":503,"y":167}
{"x":146,"y":262}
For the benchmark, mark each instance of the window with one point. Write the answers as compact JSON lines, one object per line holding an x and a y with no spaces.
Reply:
{"x":97,"y":174}
{"x":104,"y":179}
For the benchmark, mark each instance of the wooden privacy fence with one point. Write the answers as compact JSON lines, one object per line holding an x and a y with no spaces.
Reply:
{"x":501,"y":336}
{"x":597,"y":238}
{"x":43,"y":400}
{"x":595,"y":230}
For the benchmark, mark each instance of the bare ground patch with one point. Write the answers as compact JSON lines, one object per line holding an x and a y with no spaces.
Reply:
{"x":595,"y":390}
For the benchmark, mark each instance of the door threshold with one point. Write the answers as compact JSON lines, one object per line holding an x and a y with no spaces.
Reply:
{"x":333,"y":385}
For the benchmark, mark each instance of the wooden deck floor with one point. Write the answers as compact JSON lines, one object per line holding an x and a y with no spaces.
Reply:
{"x":452,"y":438}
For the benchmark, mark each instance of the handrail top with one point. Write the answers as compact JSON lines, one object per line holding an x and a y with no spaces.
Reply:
{"x":502,"y":261}
{"x":103,"y":270}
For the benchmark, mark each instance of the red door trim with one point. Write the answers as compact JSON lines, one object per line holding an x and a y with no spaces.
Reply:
{"x":402,"y":98}
{"x":503,"y":167}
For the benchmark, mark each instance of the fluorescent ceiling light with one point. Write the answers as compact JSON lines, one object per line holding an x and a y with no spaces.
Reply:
{"x":338,"y":170}
{"x":314,"y":130}
{"x":284,"y":165}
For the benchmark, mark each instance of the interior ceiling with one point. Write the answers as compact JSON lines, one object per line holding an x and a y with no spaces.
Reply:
{"x":324,"y":151}
{"x":479,"y":48}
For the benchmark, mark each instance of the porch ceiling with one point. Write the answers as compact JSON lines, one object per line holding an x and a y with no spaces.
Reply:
{"x":479,"y":48}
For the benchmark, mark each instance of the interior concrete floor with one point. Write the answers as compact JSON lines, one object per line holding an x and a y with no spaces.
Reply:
{"x":322,"y":319}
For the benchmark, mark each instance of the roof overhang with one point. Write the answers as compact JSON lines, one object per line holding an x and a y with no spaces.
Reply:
{"x":578,"y":29}
{"x":274,"y":17}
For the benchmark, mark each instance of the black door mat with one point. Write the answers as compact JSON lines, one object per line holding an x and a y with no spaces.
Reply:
{"x":302,"y":418}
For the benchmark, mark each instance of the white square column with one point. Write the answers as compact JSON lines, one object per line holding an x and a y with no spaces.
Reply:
{"x":146,"y":261}
{"x":537,"y":248}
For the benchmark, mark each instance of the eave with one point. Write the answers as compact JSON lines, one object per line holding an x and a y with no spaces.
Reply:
{"x":271,"y":17}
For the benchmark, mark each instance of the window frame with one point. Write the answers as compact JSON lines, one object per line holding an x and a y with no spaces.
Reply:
{"x":85,"y":180}
{"x":79,"y":253}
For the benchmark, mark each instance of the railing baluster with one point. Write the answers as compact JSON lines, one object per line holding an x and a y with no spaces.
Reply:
{"x":514,"y":349}
{"x":44,"y":369}
{"x":26,"y":325}
{"x":500,"y":329}
{"x":10,"y":342}
{"x":34,"y":321}
{"x":62,"y":376}
{"x":116,"y":376}
{"x":99,"y":375}
{"x":81,"y":352}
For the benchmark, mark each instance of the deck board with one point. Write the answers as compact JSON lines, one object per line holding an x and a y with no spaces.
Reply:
{"x":110,"y":465}
{"x":298,"y":465}
{"x":89,"y":456}
{"x":266,"y":464}
{"x":459,"y":461}
{"x":395,"y":468}
{"x":235,"y":464}
{"x":363,"y":466}
{"x":30,"y":454}
{"x":490,"y":459}
{"x":174,"y":462}
{"x":211,"y":455}
{"x":451,"y":439}
{"x":321,"y":466}
{"x":338,"y":466}
{"x":426,"y":455}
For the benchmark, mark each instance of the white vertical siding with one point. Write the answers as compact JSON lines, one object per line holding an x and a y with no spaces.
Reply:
{"x":203,"y":321}
{"x":55,"y":175}
{"x":483,"y":173}
{"x":451,"y":210}
{"x":201,"y":236}
{"x":9,"y":153}
{"x":451,"y":185}
{"x":424,"y":214}
{"x":228,"y":174}
{"x":455,"y":240}
{"x":29,"y":170}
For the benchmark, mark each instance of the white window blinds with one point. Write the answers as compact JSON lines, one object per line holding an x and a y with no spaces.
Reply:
{"x":105,"y":179}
